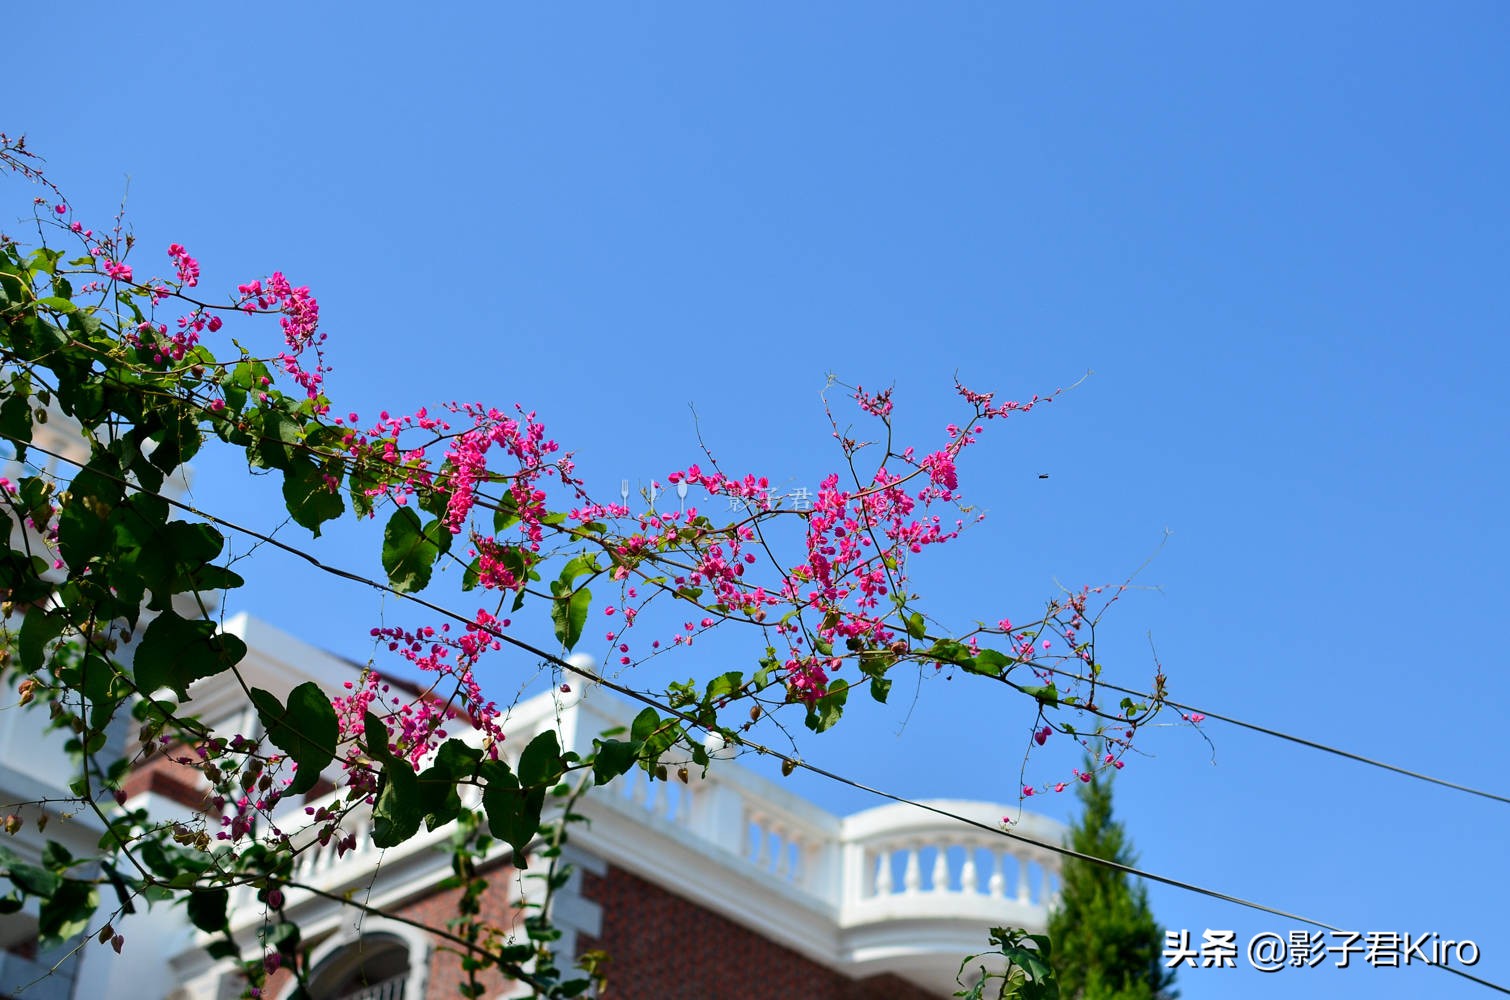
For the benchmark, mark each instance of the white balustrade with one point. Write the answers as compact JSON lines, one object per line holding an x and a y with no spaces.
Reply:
{"x":869,"y":869}
{"x":953,"y":865}
{"x":908,"y":862}
{"x":778,"y":847}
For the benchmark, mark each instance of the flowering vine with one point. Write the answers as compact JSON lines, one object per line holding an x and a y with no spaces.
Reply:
{"x":146,"y":370}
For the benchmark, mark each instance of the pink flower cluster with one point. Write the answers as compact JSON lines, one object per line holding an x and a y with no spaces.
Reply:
{"x":186,"y":266}
{"x":300,"y":320}
{"x":466,"y":465}
{"x":417,"y":723}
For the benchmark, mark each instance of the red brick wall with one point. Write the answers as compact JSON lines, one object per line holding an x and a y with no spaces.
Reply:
{"x":664,"y":947}
{"x":161,"y":773}
{"x":436,"y":909}
{"x":660,"y":946}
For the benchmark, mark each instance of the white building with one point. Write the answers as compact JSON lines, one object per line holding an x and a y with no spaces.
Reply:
{"x":726,"y":885}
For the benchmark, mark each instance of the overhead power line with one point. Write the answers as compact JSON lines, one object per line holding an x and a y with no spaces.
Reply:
{"x":652,"y":702}
{"x":1288,"y":737}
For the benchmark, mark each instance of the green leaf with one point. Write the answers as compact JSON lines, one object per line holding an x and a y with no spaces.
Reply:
{"x":513,"y":812}
{"x":916,"y":627}
{"x":207,"y":909}
{"x":824,"y":712}
{"x":93,"y":494}
{"x":222,"y":948}
{"x":192,"y":543}
{"x":38,"y":629}
{"x":541,"y":763}
{"x":439,"y":783}
{"x":16,"y":416}
{"x":21,"y":577}
{"x":989,"y":662}
{"x":44,"y":260}
{"x":880,"y":688}
{"x":399,"y":809}
{"x":213,"y":578}
{"x":612,"y":759}
{"x":578,"y":565}
{"x":56,"y":856}
{"x":454,"y":762}
{"x":1048,"y":694}
{"x":157,"y":858}
{"x":644,"y":726}
{"x":66,"y":914}
{"x":275,"y":436}
{"x":722,"y":685}
{"x":178,"y":441}
{"x":358,"y":482}
{"x":32,"y":880}
{"x":306,"y":729}
{"x":569,"y":613}
{"x":506,"y":513}
{"x":310,"y":501}
{"x":375,"y":738}
{"x":36,"y":497}
{"x":410,"y":550}
{"x":948,"y":651}
{"x":435,"y":501}
{"x":175,"y":652}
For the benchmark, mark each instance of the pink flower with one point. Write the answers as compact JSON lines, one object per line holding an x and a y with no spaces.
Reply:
{"x":188,"y":267}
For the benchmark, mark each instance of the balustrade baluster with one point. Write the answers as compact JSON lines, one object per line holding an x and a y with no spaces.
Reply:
{"x":883,"y":873}
{"x":967,"y":881}
{"x":941,"y":868}
{"x":996,"y":884}
{"x":912,"y":879}
{"x":1024,"y":894}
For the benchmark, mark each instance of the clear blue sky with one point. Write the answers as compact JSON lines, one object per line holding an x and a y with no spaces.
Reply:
{"x":1277,"y":233}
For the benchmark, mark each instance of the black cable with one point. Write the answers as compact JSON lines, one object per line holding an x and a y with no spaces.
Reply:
{"x":1288,"y":737}
{"x":651,"y":702}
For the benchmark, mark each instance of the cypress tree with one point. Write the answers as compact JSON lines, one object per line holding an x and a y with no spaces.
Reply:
{"x":1107,"y":945}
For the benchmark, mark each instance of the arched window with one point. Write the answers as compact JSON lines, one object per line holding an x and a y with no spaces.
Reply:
{"x":373,"y":967}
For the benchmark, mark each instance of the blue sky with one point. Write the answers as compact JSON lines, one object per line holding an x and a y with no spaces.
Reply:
{"x":1276,"y":233}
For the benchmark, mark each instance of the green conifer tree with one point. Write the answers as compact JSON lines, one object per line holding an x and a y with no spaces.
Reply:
{"x":1107,"y":945}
